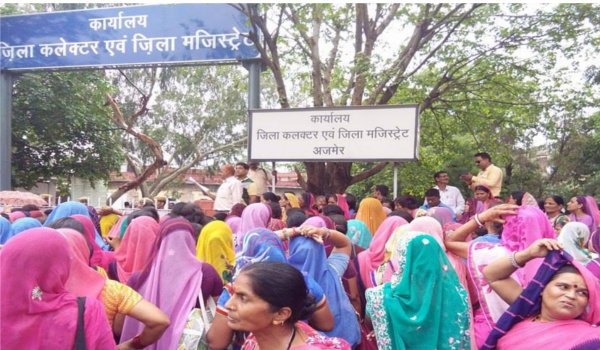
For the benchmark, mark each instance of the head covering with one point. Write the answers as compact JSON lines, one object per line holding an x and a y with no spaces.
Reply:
{"x":115,"y":230}
{"x":359,"y":233}
{"x":83,"y":280}
{"x":343,"y":204}
{"x":5,"y":230}
{"x":391,"y":248}
{"x":370,"y":211}
{"x":276,"y":224}
{"x":574,"y":237}
{"x":215,"y":247}
{"x":370,"y":259}
{"x":65,"y":210}
{"x":171,"y":281}
{"x":529,"y":302}
{"x":413,"y":311}
{"x":255,"y":215}
{"x":237,"y":210}
{"x":309,"y":203}
{"x":441,"y":214}
{"x":292,"y":199}
{"x":592,"y":210}
{"x":234,"y":223}
{"x":16,"y":215}
{"x":308,"y":256}
{"x":528,"y":199}
{"x":107,"y":222}
{"x":20,"y":226}
{"x":34,"y":267}
{"x":99,"y":257}
{"x":133,"y":253}
{"x":260,"y":245}
{"x":94,"y":217}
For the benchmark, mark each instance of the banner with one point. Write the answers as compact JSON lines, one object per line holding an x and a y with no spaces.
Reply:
{"x":361,"y":133}
{"x":156,"y":34}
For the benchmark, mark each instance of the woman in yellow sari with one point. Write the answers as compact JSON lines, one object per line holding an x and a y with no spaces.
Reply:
{"x":215,"y":247}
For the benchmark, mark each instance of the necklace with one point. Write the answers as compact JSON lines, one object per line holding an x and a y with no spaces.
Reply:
{"x":291,"y":339}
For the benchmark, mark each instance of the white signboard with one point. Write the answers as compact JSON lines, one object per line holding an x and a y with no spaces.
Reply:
{"x":358,"y":133}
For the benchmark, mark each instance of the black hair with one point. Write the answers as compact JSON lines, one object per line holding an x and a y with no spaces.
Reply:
{"x":145,"y":211}
{"x":383,"y":189}
{"x":566,"y":269}
{"x":331,"y":195}
{"x":385,"y":200}
{"x":271,"y":197}
{"x":295,"y":217}
{"x":190,"y":211}
{"x":483,"y":155}
{"x":482,"y":188}
{"x":408,"y":202}
{"x":275,"y":210}
{"x":518,"y":196}
{"x":47,"y":212}
{"x":281,"y":285}
{"x":246,"y":166}
{"x":558,"y":199}
{"x":221,"y":216}
{"x":403,"y":214}
{"x":5,"y":216}
{"x":351,"y":200}
{"x":437,"y":174}
{"x":30,"y":207}
{"x":341,"y":225}
{"x":432,"y":192}
{"x":332,"y":209}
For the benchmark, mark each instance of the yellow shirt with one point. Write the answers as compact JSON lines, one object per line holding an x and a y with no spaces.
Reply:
{"x":490,"y":177}
{"x":118,"y":298}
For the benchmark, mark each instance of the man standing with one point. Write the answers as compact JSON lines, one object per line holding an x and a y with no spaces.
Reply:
{"x":449,"y":195}
{"x":490,"y":175}
{"x":380,"y":192}
{"x":250,"y":194}
{"x":230,"y":191}
{"x":260,"y":176}
{"x":161,"y":201}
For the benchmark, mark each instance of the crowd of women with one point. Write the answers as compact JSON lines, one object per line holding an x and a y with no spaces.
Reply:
{"x":294,"y":272}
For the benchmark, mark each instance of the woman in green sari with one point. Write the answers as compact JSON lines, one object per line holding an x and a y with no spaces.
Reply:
{"x":424,"y":306}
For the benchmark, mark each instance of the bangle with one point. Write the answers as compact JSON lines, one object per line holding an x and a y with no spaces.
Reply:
{"x":477,"y":220}
{"x":327,"y":233}
{"x":513,"y":260}
{"x":136,"y":342}
{"x":286,"y":236}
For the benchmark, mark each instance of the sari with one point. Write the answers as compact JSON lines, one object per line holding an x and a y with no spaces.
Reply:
{"x":414,"y":309}
{"x":308,"y":204}
{"x":99,"y":257}
{"x":519,"y":232}
{"x":256,"y":215}
{"x":172,"y":280}
{"x":314,"y":341}
{"x":294,"y":203}
{"x":370,"y":259}
{"x":515,"y":326}
{"x":574,"y":237}
{"x":441,"y":214}
{"x":215,"y":247}
{"x":71,"y":208}
{"x":107,"y":222}
{"x":310,"y":258}
{"x":23,"y":225}
{"x":343,"y":204}
{"x":276,"y":224}
{"x":5,"y":230}
{"x":359,"y":233}
{"x":133,"y":253}
{"x":370,"y":211}
{"x":38,"y":312}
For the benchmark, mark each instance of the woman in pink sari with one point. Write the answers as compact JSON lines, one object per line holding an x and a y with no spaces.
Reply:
{"x":133,"y":252}
{"x":256,"y":215}
{"x":561,"y":305}
{"x":99,"y":257}
{"x":37,"y":310}
{"x":270,"y":300}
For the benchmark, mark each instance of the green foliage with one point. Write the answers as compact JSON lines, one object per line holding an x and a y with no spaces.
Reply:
{"x":60,"y":128}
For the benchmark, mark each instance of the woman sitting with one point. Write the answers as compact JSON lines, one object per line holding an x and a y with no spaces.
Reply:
{"x":561,"y":305}
{"x":269,"y":299}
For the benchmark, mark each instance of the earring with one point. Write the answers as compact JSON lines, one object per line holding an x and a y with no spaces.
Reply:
{"x":277,"y":323}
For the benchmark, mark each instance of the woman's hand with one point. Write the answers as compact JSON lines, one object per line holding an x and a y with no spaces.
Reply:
{"x":315,"y":233}
{"x":496,"y":213}
{"x":542,"y":247}
{"x":114,"y":242}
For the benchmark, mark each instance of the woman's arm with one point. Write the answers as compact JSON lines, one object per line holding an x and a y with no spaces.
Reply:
{"x":341,"y":243}
{"x":154,"y":320}
{"x":322,"y":318}
{"x":498,"y":272}
{"x":219,"y":334}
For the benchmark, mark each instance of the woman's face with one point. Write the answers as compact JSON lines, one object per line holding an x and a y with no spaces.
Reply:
{"x":550,"y":206}
{"x":332,"y":200}
{"x":573,"y":205}
{"x":247,"y":311}
{"x":565,"y":297}
{"x":283,"y":202}
{"x":482,"y":195}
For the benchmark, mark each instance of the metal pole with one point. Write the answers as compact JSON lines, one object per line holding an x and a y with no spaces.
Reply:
{"x":395,"y":180}
{"x":5,"y":130}
{"x":274,"y":178}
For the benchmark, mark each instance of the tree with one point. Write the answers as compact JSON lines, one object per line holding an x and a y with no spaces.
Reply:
{"x":196,"y":114}
{"x":461,"y":63}
{"x":60,"y":128}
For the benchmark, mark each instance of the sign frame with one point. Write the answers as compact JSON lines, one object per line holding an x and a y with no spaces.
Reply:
{"x":415,"y":153}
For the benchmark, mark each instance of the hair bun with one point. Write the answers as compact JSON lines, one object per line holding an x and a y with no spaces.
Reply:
{"x":310,"y":306}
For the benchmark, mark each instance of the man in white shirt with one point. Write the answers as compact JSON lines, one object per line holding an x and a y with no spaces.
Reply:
{"x":230,"y":191}
{"x":449,"y":195}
